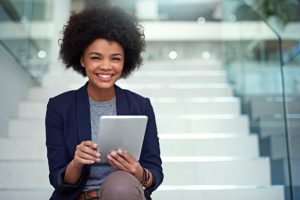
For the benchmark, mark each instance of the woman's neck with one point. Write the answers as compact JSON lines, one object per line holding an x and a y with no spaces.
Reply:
{"x":98,"y":94}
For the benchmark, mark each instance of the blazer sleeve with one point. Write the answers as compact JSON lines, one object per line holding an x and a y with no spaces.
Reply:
{"x":58,"y":158}
{"x":150,"y":158}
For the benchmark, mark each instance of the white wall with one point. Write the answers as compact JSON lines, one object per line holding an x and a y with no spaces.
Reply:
{"x":61,"y":13}
{"x":14,"y":85}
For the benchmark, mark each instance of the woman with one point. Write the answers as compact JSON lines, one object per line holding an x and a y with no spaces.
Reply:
{"x":104,"y":44}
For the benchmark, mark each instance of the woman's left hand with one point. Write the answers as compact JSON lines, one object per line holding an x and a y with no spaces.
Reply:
{"x":122,"y":160}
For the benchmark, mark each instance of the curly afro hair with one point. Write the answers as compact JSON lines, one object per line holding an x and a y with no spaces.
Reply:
{"x":110,"y":23}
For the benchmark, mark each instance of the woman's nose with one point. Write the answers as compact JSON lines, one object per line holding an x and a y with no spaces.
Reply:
{"x":105,"y":65}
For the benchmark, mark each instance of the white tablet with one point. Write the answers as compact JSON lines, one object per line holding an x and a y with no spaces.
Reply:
{"x":124,"y":132}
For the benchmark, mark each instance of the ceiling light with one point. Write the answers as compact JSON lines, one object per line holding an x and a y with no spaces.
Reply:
{"x":201,"y":20}
{"x":173,"y":55}
{"x":42,"y":54}
{"x":206,"y":55}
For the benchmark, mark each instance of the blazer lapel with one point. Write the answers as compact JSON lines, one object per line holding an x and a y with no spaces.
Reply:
{"x":122,"y":103}
{"x":83,"y":114}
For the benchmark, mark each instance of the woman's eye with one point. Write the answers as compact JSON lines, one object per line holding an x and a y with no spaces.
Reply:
{"x":95,"y":58}
{"x":117,"y":59}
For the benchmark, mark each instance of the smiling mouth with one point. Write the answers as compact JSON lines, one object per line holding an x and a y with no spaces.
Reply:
{"x":104,"y":75}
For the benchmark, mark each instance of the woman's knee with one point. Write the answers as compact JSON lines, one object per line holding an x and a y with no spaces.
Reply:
{"x":121,"y":185}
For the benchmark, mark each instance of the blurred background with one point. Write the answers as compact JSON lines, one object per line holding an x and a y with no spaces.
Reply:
{"x":223,"y":76}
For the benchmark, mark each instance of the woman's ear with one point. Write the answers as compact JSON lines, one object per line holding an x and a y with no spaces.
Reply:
{"x":81,"y":62}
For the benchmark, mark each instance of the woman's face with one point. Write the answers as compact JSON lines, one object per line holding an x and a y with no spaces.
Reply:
{"x":103,"y":61}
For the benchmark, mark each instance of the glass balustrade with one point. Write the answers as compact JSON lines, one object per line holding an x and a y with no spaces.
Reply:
{"x":263,"y":65}
{"x":25,"y":31}
{"x":291,"y":82}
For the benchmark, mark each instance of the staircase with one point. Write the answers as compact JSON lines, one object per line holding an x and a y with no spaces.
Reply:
{"x":207,"y":150}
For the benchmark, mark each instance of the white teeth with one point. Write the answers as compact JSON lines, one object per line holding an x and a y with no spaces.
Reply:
{"x":104,"y":75}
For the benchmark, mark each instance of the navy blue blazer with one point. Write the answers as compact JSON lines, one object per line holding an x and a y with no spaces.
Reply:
{"x":68,"y":124}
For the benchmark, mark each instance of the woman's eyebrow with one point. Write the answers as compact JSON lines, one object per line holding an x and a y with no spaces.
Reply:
{"x":117,"y":54}
{"x":95,"y":53}
{"x":99,"y":54}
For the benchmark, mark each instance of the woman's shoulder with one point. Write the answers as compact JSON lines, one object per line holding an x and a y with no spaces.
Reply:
{"x":62,"y":101}
{"x":136,"y":102}
{"x":133,"y":96}
{"x":60,"y":105}
{"x":64,"y":97}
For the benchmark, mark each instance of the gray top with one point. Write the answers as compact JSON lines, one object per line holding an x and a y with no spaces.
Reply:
{"x":99,"y":172}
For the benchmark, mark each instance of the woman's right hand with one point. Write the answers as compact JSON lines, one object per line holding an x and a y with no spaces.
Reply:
{"x":86,"y":154}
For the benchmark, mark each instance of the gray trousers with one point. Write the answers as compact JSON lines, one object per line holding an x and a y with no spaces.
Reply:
{"x":121,"y":185}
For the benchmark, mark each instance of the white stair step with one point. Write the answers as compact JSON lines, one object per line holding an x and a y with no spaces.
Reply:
{"x":217,"y":92}
{"x":181,"y":64}
{"x":203,"y":124}
{"x":190,"y":145}
{"x":63,"y":79}
{"x":44,"y":93}
{"x":11,"y":194}
{"x":195,"y":192}
{"x":233,"y":145}
{"x":36,"y":109}
{"x":18,"y":174}
{"x":176,"y":76}
{"x":156,"y":90}
{"x":23,"y":149}
{"x":181,"y":90}
{"x":28,"y":127}
{"x":201,"y":107}
{"x":222,"y":171}
{"x":24,"y":174}
{"x":32,"y":109}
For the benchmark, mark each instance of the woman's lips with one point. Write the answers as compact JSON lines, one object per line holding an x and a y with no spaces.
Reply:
{"x":105,"y":77}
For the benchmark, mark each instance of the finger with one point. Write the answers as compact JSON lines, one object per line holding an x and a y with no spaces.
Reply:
{"x":89,"y":150}
{"x":90,"y":144}
{"x":133,"y":166}
{"x":119,"y":158}
{"x":127,"y":156}
{"x":86,"y":156}
{"x":85,"y":161}
{"x":115,"y":163}
{"x":111,"y":163}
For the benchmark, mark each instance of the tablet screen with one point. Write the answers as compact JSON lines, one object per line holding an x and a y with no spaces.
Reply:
{"x":124,"y":132}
